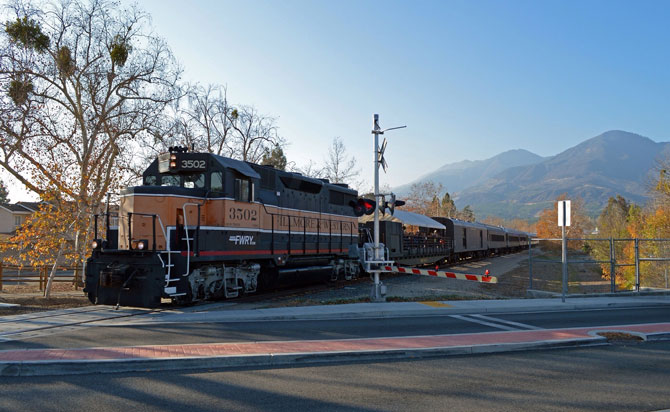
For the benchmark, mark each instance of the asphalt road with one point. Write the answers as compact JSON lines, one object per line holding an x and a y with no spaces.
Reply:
{"x":184,"y":333}
{"x":614,"y":378}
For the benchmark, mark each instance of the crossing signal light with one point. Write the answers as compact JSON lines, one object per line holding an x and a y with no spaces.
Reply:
{"x":363,"y":206}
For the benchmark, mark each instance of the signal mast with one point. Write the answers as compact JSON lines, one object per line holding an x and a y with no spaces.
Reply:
{"x":378,"y":290}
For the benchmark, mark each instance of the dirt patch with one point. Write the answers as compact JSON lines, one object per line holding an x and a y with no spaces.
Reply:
{"x":620,"y":337}
{"x":37,"y":304}
{"x":30,"y":299}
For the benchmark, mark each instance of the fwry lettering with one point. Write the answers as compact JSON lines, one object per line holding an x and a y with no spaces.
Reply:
{"x":242,"y":240}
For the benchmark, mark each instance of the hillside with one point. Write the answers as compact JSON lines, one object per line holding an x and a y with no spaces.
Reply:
{"x":615,"y":162}
{"x":458,"y":176}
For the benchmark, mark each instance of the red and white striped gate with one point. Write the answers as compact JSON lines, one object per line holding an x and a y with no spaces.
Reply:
{"x":443,"y":274}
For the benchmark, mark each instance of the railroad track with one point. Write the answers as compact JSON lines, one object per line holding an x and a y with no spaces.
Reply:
{"x":32,"y":325}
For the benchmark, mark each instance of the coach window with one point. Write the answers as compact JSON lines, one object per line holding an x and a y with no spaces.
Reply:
{"x":150,"y":180}
{"x":170,"y":180}
{"x":243,"y":190}
{"x":216,"y":182}
{"x":195,"y":181}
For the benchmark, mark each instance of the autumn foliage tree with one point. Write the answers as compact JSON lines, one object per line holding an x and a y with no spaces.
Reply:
{"x":427,"y":198}
{"x":80,"y":83}
{"x":580,"y":224}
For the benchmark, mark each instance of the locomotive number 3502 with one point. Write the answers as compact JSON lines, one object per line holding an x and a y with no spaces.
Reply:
{"x":242,"y":214}
{"x":193,"y":164}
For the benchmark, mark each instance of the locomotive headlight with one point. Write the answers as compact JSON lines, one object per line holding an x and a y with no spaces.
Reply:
{"x":96,"y":243}
{"x":140,"y":244}
{"x":173,"y":164}
{"x":173,"y":157}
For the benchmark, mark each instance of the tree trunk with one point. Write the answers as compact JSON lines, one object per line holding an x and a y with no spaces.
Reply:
{"x":52,"y":275}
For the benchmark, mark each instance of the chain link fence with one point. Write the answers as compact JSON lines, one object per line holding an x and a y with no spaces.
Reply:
{"x":598,"y":265}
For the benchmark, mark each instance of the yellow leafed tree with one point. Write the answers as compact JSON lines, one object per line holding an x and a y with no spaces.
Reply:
{"x":580,"y":224}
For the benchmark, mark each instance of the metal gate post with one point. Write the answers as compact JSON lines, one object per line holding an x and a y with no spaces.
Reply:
{"x":612,"y":266}
{"x":637,"y":265}
{"x":1,"y":275}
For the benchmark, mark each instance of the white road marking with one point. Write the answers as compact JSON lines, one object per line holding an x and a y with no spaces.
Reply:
{"x":483,"y":322}
{"x":508,"y":322}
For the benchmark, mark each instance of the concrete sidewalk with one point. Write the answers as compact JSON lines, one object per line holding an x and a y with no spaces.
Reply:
{"x":31,"y":362}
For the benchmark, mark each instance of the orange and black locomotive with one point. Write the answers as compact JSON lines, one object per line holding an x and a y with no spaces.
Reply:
{"x":203,"y":226}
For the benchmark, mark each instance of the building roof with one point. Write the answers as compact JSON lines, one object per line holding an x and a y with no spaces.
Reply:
{"x":32,"y":206}
{"x":16,"y":208}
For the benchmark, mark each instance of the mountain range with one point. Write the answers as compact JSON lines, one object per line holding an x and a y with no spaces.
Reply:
{"x":519,"y":184}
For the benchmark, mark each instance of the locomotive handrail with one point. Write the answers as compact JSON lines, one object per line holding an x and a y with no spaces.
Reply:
{"x":188,"y":245}
{"x":304,"y":231}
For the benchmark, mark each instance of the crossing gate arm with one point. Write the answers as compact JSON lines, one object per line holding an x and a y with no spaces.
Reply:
{"x":442,"y":274}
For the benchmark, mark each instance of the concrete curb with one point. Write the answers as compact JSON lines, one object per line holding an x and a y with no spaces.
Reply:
{"x":70,"y":367}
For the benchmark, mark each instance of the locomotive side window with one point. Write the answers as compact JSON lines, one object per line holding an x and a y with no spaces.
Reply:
{"x":194,"y":181}
{"x":170,"y":180}
{"x":243,"y":190}
{"x":150,"y":180}
{"x":216,"y":182}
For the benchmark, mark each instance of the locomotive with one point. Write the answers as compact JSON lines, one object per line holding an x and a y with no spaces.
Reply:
{"x":203,"y":226}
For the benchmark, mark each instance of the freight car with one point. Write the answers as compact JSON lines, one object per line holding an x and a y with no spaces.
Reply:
{"x":204,"y":226}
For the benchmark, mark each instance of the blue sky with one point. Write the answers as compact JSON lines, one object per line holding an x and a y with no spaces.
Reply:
{"x":470,"y":79}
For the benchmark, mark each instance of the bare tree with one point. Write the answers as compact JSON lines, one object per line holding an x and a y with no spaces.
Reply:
{"x":80,"y":83}
{"x":201,"y":119}
{"x":311,"y":169}
{"x":253,"y":133}
{"x":424,"y":198}
{"x":339,"y":167}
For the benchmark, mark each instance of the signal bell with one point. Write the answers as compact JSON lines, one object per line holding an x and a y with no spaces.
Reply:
{"x":363,"y":206}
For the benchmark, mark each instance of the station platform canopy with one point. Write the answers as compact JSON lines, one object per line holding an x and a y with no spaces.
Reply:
{"x":406,"y":218}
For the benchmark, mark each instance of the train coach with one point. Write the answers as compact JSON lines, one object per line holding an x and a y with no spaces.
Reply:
{"x":411,"y":238}
{"x":414,"y":239}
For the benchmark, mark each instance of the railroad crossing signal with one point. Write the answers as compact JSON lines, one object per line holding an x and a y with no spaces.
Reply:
{"x":380,"y":156}
{"x":390,"y":205}
{"x":363,"y":206}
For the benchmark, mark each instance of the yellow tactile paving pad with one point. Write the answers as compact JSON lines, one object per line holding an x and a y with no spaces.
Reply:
{"x":436,"y":304}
